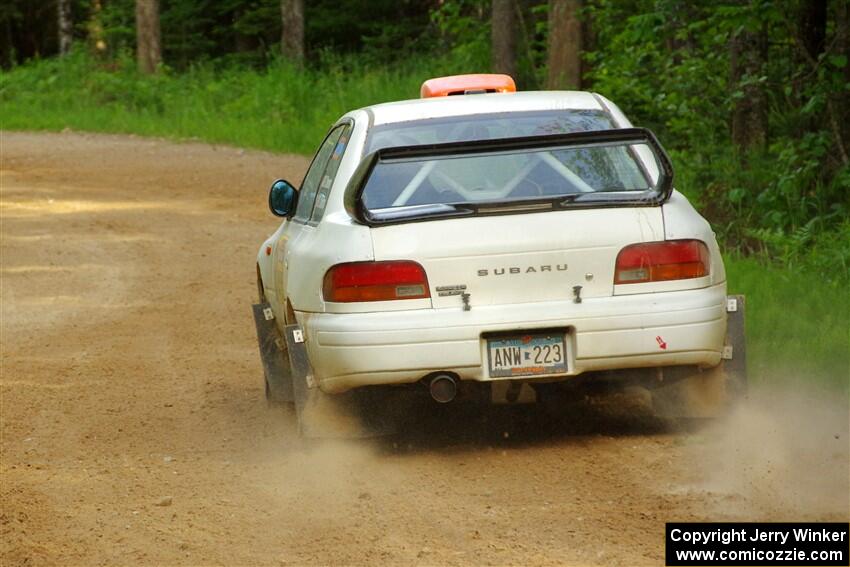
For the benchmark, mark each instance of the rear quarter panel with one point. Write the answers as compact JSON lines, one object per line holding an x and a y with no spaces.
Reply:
{"x":681,"y":220}
{"x":335,"y":239}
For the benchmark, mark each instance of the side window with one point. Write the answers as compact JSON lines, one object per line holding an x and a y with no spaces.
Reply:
{"x":330,"y":174}
{"x":310,"y":185}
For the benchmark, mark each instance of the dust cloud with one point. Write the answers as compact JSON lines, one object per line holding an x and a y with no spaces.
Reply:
{"x":135,"y":429}
{"x":782,"y":454}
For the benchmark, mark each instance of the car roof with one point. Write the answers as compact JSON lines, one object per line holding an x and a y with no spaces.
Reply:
{"x":463,"y":105}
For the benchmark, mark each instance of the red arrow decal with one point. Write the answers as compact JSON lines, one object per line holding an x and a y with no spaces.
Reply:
{"x":661,"y":344}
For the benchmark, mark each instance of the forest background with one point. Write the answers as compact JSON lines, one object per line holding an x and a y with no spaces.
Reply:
{"x":750,"y":97}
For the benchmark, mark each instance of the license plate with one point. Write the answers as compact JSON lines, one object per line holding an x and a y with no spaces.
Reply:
{"x":527,"y":355}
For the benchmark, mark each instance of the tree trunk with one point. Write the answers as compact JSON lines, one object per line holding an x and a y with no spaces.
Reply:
{"x":94,"y":28}
{"x":148,"y":47}
{"x":842,"y":47}
{"x":241,"y":42}
{"x":292,"y":35}
{"x":503,"y":37}
{"x":747,"y":59}
{"x":65,"y":26}
{"x":7,"y":45}
{"x":813,"y":26}
{"x":588,"y":44}
{"x":565,"y":45}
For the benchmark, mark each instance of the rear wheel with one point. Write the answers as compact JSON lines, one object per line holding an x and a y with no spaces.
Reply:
{"x":261,"y":292}
{"x":705,"y":393}
{"x":711,"y":392}
{"x":365,"y":412}
{"x":702,"y":394}
{"x":273,"y":352}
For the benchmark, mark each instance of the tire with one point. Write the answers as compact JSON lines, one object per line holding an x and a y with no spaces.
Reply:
{"x":711,"y":392}
{"x":325,"y":416}
{"x":703,"y":394}
{"x":261,"y":292}
{"x":365,"y":412}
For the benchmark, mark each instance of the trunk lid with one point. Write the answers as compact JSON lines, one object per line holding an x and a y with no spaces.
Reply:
{"x":520,"y":258}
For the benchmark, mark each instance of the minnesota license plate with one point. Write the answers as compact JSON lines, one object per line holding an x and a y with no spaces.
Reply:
{"x":527,"y":355}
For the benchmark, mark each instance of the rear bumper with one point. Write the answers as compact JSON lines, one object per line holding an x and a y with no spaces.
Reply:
{"x":658,"y":329}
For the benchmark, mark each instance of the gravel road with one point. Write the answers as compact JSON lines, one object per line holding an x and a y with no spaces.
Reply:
{"x":134,"y":429}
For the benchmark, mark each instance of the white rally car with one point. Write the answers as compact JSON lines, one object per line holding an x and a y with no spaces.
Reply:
{"x":480,"y":239}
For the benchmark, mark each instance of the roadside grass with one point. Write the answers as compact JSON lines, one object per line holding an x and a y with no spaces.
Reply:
{"x":279,"y":108}
{"x":797,"y":324}
{"x":798,"y":321}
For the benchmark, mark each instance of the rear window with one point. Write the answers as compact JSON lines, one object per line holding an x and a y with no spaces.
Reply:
{"x":613,"y":167}
{"x":485,"y":127}
{"x":505,"y":177}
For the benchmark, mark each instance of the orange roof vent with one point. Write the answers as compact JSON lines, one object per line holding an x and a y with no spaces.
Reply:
{"x":467,"y":84}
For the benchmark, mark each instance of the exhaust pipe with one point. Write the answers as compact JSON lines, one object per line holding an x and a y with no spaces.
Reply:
{"x":443,"y":388}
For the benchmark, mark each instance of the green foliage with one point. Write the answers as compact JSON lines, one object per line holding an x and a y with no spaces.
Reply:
{"x":279,"y":108}
{"x":115,"y":24}
{"x":667,"y":64}
{"x":463,"y":32}
{"x":795,"y":320}
{"x":381,"y":30}
{"x":781,"y":210}
{"x":242,"y":31}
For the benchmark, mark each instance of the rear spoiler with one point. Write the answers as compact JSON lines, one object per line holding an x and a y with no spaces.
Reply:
{"x":620,"y":136}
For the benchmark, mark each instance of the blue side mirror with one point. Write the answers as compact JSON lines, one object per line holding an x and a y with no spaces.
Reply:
{"x":282,"y":198}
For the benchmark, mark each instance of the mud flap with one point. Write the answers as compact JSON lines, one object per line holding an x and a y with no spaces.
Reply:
{"x":328,"y":416}
{"x":274,"y":355}
{"x":735,"y":349}
{"x":299,"y":365}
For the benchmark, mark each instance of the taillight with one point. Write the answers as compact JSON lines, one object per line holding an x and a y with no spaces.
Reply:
{"x":375,"y":281}
{"x":662,"y":261}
